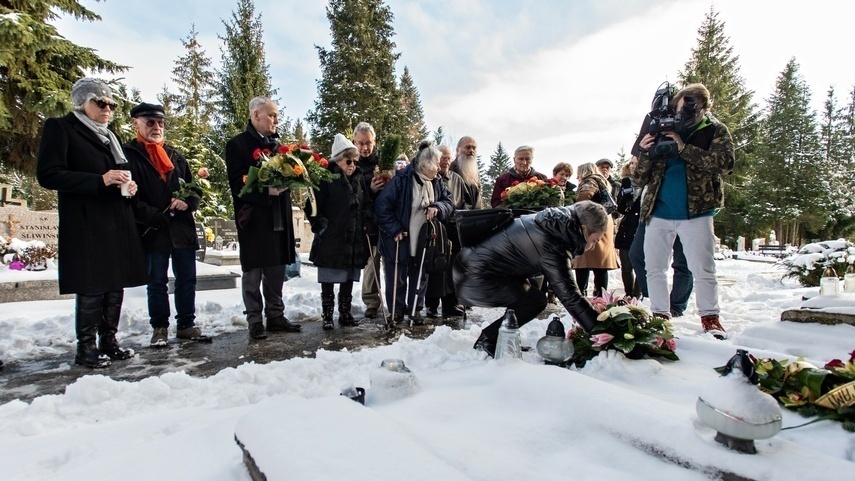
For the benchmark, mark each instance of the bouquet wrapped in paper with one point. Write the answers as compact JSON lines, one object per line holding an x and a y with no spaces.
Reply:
{"x":289,"y":166}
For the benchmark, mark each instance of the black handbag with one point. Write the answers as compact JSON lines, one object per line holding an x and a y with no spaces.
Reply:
{"x":476,"y":226}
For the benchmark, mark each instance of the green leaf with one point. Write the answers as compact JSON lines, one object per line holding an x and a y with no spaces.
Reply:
{"x":812,"y":379}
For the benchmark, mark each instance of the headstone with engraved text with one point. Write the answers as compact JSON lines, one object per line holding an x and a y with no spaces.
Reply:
{"x":24,"y":224}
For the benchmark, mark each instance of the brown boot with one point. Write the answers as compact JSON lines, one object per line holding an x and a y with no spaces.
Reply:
{"x":713,"y":326}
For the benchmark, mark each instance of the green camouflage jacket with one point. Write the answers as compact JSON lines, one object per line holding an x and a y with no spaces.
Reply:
{"x":708,"y":153}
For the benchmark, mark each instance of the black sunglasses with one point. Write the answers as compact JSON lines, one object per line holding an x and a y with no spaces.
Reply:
{"x":150,"y":122}
{"x":103,"y":104}
{"x":350,"y":161}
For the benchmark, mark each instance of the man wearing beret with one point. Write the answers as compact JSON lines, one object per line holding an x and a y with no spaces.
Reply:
{"x":166,"y":224}
{"x":264,"y":223}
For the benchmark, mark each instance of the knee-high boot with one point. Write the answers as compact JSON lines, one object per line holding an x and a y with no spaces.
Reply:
{"x":327,"y":306}
{"x":87,"y":317}
{"x":345,"y":318}
{"x":109,"y":326}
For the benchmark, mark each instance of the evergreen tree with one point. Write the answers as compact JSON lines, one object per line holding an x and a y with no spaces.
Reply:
{"x":244,"y":72}
{"x":714,"y":64}
{"x":195,"y":79}
{"x":621,"y":160}
{"x":438,"y":136}
{"x":788,"y":185}
{"x":299,"y":134}
{"x":38,"y":66}
{"x":357,"y":74}
{"x":413,"y":129}
{"x":500,"y":162}
{"x":838,"y":169}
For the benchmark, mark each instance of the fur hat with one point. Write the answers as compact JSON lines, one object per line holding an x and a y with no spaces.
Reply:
{"x":89,"y":88}
{"x":339,"y":145}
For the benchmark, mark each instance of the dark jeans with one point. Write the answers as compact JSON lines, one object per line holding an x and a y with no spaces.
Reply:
{"x":267,"y":281}
{"x":601,"y":280}
{"x":627,"y":275}
{"x":525,"y":309}
{"x":681,"y":288}
{"x":184,"y":270}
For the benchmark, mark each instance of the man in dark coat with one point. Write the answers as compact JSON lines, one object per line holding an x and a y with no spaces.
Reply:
{"x":496,"y":272}
{"x":520,"y":172}
{"x":166,"y":224}
{"x":364,"y":138}
{"x":99,"y":248}
{"x":264,"y":223}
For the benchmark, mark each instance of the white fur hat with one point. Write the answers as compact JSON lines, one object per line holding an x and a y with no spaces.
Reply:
{"x":339,"y":145}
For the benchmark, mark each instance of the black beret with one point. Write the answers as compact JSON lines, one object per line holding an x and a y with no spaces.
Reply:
{"x":148,"y":110}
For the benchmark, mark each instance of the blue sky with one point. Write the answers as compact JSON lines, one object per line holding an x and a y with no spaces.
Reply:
{"x":573,"y":78}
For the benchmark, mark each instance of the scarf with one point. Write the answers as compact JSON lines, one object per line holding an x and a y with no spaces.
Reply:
{"x":105,"y":135}
{"x":422,"y":197}
{"x":158,"y":156}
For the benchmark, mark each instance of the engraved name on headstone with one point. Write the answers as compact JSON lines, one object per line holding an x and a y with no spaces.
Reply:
{"x":25,"y":224}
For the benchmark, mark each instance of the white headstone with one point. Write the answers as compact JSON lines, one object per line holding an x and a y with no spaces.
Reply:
{"x":740,"y":244}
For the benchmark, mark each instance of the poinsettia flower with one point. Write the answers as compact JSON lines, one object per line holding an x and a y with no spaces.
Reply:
{"x":671,"y":344}
{"x":202,"y":173}
{"x":601,"y":339}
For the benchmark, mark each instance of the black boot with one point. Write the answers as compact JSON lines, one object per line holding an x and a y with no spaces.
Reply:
{"x":281,"y":323}
{"x":87,"y":318}
{"x":345,"y":319}
{"x":327,"y":306}
{"x":109,"y":326}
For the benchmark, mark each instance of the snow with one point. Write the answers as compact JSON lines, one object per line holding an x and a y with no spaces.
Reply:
{"x":462,"y":415}
{"x":735,"y":395}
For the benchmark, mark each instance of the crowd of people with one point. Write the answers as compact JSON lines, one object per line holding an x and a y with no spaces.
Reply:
{"x":121,"y":225}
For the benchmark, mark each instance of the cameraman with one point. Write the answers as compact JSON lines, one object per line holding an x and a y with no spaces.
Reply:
{"x":684,"y":190}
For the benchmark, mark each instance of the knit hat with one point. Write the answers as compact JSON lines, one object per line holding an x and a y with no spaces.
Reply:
{"x":605,"y":161}
{"x":89,"y":88}
{"x":339,"y":145}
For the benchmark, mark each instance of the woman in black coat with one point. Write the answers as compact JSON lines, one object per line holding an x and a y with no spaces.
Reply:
{"x":496,"y":272}
{"x":629,"y":206}
{"x":340,"y":250}
{"x":414,"y":195}
{"x":99,"y":247}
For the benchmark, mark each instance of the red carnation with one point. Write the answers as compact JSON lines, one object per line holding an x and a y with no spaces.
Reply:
{"x":316,"y":156}
{"x":256,"y":154}
{"x":284,"y":149}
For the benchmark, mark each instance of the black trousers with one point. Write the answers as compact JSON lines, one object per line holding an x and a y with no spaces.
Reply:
{"x":601,"y":280}
{"x":525,"y":309}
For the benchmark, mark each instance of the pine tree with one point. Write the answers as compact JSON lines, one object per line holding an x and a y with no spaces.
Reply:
{"x":714,"y":64}
{"x":299,"y":134}
{"x":838,"y":168}
{"x":358,"y":72}
{"x":195,"y":79}
{"x":788,"y":186}
{"x":438,"y":136}
{"x":413,"y":129}
{"x":244,"y":72}
{"x":38,"y":66}
{"x":500,"y":162}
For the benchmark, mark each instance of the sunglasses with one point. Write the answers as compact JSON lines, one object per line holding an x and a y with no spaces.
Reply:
{"x":103,"y":104}
{"x":150,"y":122}
{"x":350,"y":162}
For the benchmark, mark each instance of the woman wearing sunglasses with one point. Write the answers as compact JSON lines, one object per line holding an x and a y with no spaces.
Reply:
{"x":345,"y":213}
{"x":99,"y":249}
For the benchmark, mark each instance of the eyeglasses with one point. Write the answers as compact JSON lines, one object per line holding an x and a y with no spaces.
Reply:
{"x":103,"y":104}
{"x":351,"y":162}
{"x":150,"y":123}
{"x":364,"y":144}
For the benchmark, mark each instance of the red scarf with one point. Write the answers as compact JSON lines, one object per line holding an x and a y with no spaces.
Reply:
{"x":158,"y":156}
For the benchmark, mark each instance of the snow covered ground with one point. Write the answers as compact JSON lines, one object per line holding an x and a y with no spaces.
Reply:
{"x":479,"y":419}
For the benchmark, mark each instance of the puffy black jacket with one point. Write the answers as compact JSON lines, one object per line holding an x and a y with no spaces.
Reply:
{"x":629,"y":207}
{"x":495,"y":272}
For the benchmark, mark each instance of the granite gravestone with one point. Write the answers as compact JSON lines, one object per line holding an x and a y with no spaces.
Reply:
{"x":24,"y":224}
{"x":203,"y":244}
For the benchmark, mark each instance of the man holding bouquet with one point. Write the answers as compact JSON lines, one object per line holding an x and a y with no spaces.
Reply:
{"x":264,"y":223}
{"x":165,"y":220}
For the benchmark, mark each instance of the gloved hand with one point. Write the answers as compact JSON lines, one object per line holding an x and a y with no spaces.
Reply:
{"x":320,"y":226}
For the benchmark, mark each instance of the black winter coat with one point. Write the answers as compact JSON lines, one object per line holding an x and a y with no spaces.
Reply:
{"x":260,"y":245}
{"x":630,"y":208}
{"x":161,"y":230}
{"x":495,"y":272}
{"x":393,"y":207}
{"x":345,"y":212}
{"x":99,"y":246}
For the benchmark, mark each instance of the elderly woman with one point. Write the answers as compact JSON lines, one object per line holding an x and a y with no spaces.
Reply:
{"x":99,"y":248}
{"x":562,"y":173}
{"x":415,"y":195}
{"x":340,"y":249}
{"x":496,"y":272}
{"x":601,"y":258}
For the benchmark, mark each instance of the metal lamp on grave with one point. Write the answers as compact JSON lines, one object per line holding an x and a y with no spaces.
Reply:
{"x":554,"y":347}
{"x":849,"y":277}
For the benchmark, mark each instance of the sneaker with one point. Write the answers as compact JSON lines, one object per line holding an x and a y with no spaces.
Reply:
{"x":159,"y":337}
{"x":371,"y":312}
{"x":713,"y":326}
{"x":193,"y":334}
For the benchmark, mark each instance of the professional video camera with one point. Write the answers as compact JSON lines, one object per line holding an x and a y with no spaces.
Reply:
{"x":663,"y":119}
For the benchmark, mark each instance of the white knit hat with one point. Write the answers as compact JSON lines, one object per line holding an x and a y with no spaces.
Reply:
{"x":339,"y":145}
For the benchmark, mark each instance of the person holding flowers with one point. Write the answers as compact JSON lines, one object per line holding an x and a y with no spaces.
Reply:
{"x":264,"y":222}
{"x":522,"y":171}
{"x":166,"y":200}
{"x":344,"y":213}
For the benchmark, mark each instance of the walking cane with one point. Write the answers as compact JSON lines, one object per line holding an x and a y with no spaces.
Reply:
{"x":395,"y":280}
{"x":421,"y":269}
{"x":377,"y":278}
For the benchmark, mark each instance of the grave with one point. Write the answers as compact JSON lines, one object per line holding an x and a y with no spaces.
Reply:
{"x":829,"y":310}
{"x":25,"y":224}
